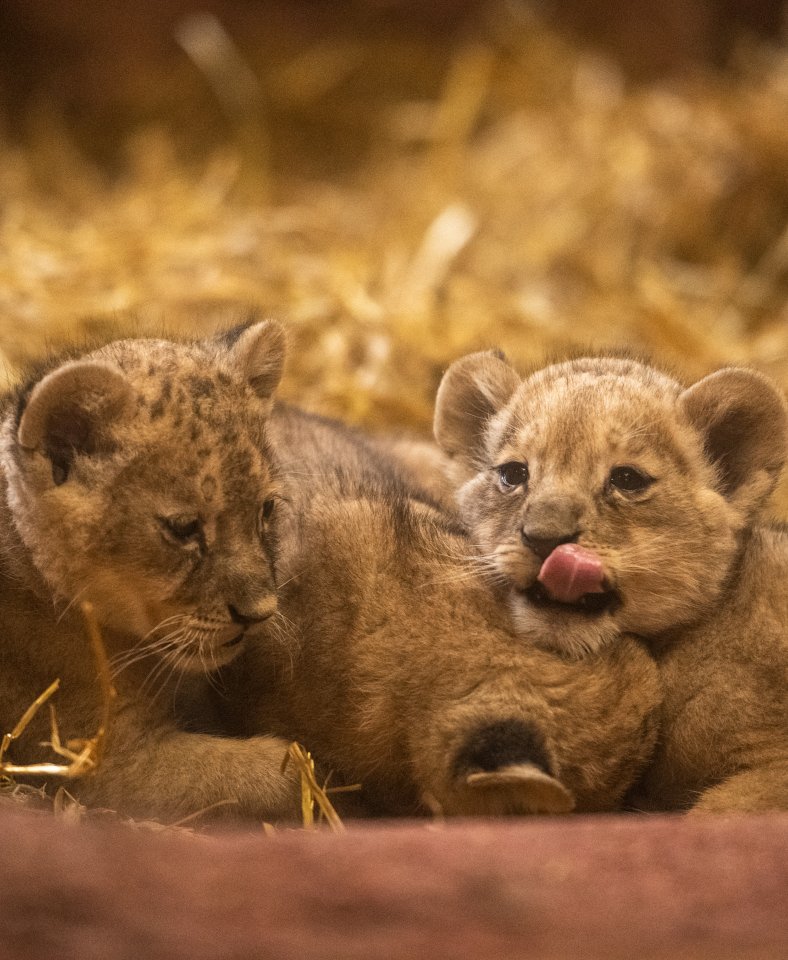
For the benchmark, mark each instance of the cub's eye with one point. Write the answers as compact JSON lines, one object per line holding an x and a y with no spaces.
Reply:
{"x":629,"y":479}
{"x":512,"y":475}
{"x":266,"y":511}
{"x":182,"y":530}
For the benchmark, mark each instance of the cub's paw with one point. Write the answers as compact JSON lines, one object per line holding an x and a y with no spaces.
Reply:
{"x":758,"y":790}
{"x":521,"y":788}
{"x":504,"y":767}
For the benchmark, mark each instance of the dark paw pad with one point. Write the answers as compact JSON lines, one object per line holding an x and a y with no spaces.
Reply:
{"x":502,"y":743}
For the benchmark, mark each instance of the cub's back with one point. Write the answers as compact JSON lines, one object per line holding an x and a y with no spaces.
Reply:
{"x":320,"y":454}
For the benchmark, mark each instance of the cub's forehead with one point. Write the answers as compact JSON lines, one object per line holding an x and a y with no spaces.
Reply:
{"x":151,"y":364}
{"x":211,"y":476}
{"x":593,"y":403}
{"x":604,"y":375}
{"x":198,"y":426}
{"x":186,"y":388}
{"x":142,"y":358}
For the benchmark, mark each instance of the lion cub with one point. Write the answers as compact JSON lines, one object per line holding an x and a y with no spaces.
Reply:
{"x":606,"y":499}
{"x":139,"y":477}
{"x":405,"y":674}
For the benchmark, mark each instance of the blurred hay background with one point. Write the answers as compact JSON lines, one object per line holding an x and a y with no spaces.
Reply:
{"x":400,"y":182}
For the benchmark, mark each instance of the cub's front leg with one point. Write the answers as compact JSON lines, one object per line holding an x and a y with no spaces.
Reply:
{"x":168,"y":774}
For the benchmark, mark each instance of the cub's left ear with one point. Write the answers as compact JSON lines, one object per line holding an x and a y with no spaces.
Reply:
{"x":258,"y":356}
{"x":72,"y":412}
{"x":472,"y":391}
{"x":743,"y":420}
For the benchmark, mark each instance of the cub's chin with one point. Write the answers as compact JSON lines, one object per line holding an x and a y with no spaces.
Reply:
{"x":212,"y":655}
{"x":205,"y":652}
{"x":588,"y":605}
{"x":572,"y":629}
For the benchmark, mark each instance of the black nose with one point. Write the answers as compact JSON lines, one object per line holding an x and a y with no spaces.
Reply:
{"x":245,"y":619}
{"x":543,"y":545}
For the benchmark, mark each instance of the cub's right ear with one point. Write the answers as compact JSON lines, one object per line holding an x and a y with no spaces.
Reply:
{"x":70,"y":410}
{"x":473,"y":389}
{"x":258,"y":356}
{"x":743,"y":422}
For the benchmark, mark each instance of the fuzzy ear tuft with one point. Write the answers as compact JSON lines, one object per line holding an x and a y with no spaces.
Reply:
{"x":473,"y":389}
{"x":70,"y":410}
{"x":259,"y":354}
{"x":742,"y":418}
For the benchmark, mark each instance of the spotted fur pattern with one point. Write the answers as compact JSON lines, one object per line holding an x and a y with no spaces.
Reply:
{"x":139,"y":477}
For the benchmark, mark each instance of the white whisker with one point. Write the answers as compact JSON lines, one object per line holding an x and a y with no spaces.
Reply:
{"x":75,"y":599}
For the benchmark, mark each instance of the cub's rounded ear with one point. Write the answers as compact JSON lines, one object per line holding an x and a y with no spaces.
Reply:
{"x":258,"y":354}
{"x":70,"y":412}
{"x":742,"y":418}
{"x":472,"y":390}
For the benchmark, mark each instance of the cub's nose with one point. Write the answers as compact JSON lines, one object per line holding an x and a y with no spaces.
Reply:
{"x":248,"y":618}
{"x":543,"y":544}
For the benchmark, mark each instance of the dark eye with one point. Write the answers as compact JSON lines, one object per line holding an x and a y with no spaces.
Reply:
{"x":629,"y":479}
{"x":513,"y":474}
{"x":183,"y":530}
{"x":264,"y":516}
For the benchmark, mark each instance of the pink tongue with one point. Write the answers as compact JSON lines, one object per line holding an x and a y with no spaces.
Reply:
{"x":570,"y":572}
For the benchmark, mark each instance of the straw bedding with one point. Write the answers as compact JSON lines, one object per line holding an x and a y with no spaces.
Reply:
{"x":398,"y":192}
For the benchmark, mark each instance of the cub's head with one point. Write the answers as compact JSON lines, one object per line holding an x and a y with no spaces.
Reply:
{"x":605,"y":496}
{"x":139,"y":478}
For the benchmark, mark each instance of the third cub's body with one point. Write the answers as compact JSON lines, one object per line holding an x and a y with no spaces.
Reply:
{"x":406,"y":675}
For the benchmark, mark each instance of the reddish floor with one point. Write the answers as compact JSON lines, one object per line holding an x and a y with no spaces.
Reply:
{"x":618,"y":887}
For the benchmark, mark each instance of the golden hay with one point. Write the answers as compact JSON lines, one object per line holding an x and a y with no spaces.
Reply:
{"x":83,"y":756}
{"x":653,"y":216}
{"x":312,"y":793}
{"x":539,"y":203}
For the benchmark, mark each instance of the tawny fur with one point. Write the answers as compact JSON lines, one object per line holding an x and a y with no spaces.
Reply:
{"x":404,"y":655}
{"x":394,"y":660}
{"x":694,"y":569}
{"x":139,"y":477}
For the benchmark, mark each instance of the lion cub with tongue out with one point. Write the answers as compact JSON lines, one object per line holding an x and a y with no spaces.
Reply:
{"x":609,"y":499}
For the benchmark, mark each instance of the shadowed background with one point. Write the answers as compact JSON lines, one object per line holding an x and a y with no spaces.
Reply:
{"x":400,"y":182}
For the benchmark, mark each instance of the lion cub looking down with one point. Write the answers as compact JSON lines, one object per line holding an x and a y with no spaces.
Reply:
{"x":609,"y":499}
{"x":139,"y":477}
